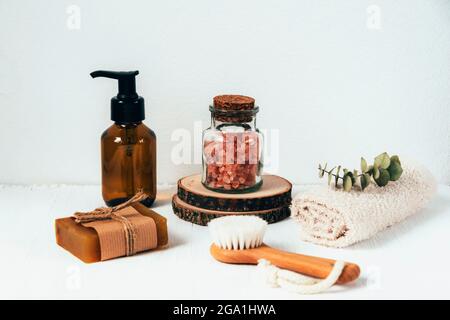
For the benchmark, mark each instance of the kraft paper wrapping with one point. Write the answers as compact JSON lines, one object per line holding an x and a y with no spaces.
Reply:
{"x":112,"y":234}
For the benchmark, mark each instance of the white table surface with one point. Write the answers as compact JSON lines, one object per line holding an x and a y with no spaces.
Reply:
{"x":409,"y":260}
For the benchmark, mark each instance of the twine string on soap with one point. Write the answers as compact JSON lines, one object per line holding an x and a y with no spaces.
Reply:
{"x":109,"y":213}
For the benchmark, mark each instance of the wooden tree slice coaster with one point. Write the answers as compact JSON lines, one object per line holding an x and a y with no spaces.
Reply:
{"x":201,"y":216}
{"x":274,"y":193}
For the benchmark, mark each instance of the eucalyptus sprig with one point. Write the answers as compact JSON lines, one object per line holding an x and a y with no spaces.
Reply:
{"x":383,"y":170}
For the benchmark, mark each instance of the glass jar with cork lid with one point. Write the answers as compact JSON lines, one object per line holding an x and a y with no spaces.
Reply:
{"x":232,"y":146}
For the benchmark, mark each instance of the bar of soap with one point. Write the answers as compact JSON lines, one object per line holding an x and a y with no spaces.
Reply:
{"x":84,"y":243}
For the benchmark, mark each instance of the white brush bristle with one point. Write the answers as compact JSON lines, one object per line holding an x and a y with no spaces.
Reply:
{"x":237,"y":232}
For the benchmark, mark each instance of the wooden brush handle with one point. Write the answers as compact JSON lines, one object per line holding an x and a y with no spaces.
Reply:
{"x":307,"y":265}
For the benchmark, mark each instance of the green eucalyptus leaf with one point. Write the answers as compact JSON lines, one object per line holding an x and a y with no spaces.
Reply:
{"x":383,"y":178}
{"x":370,"y":170}
{"x":382,"y":160}
{"x":395,"y":158}
{"x":386,"y":161}
{"x":358,"y":181}
{"x":347,"y":183}
{"x":395,"y":170}
{"x":363,"y":165}
{"x":376,"y":172}
{"x":320,"y":171}
{"x":365,"y":180}
{"x":349,"y":173}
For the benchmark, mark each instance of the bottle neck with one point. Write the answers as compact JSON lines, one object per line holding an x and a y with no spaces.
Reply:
{"x":128,"y":124}
{"x":245,"y":119}
{"x":248,"y":123}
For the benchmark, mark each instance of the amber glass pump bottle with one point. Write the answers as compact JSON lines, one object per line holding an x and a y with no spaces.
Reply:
{"x":128,"y":147}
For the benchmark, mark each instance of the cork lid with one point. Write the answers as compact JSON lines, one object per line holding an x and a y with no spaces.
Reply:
{"x":233,"y":108}
{"x":233,"y":102}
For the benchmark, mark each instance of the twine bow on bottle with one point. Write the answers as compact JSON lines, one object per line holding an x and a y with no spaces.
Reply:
{"x":110,"y":213}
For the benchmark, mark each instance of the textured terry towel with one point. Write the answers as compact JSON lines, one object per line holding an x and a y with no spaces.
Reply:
{"x":338,"y":219}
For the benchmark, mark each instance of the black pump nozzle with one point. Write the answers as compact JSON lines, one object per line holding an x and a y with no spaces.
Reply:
{"x":127,"y":81}
{"x":127,"y":106}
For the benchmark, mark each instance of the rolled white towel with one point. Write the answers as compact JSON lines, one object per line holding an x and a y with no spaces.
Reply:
{"x":336,"y":218}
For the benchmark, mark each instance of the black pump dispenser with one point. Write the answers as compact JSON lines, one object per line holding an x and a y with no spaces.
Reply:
{"x":127,"y":107}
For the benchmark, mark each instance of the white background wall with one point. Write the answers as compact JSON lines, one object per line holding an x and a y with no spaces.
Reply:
{"x":334,"y":85}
